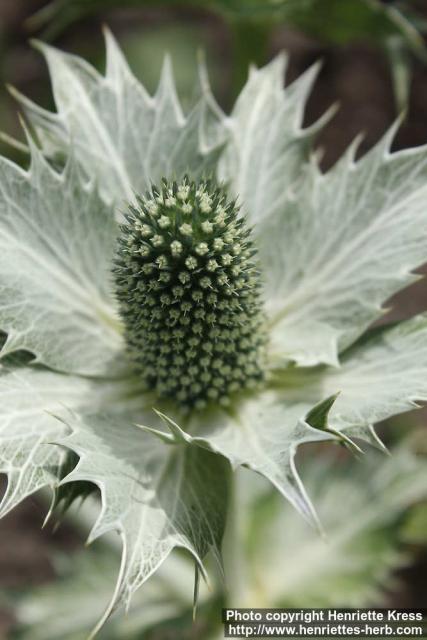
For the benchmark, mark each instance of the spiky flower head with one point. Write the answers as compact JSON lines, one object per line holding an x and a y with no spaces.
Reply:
{"x":188,"y":286}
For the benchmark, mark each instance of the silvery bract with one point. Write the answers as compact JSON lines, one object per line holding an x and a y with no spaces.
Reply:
{"x":331,"y":248}
{"x":285,"y":563}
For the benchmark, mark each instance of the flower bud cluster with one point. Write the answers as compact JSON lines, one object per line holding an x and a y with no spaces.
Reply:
{"x":189,"y":293}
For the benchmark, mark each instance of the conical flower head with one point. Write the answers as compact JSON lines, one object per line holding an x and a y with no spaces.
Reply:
{"x":188,"y":286}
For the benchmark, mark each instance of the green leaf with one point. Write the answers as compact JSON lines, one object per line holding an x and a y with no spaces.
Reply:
{"x":341,"y":246}
{"x":56,"y":243}
{"x":360,"y":505}
{"x":157,"y":496}
{"x":318,"y":416}
{"x":122,"y":136}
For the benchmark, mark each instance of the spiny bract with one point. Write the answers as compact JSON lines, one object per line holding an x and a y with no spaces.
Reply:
{"x":188,"y":287}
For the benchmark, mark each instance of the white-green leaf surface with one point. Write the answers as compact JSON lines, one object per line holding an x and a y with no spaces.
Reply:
{"x":266,"y":157}
{"x":360,"y":503}
{"x":30,"y":396}
{"x":27,"y":398}
{"x":262,"y":435}
{"x":56,"y":245}
{"x":340,"y":247}
{"x":383,"y":375}
{"x":157,"y":496}
{"x":333,"y":247}
{"x":121,"y":135}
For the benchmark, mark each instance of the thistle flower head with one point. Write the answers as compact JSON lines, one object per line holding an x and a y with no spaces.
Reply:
{"x":188,"y":287}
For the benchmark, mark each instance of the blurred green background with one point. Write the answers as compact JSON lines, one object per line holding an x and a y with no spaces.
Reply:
{"x":375,"y":66}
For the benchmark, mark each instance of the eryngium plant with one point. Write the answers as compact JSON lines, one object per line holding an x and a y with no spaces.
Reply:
{"x":196,"y":296}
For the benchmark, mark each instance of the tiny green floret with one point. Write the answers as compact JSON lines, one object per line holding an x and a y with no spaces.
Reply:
{"x":189,"y":291}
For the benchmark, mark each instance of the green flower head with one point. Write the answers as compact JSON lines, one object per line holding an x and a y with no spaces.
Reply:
{"x":246,"y":328}
{"x":189,"y":290}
